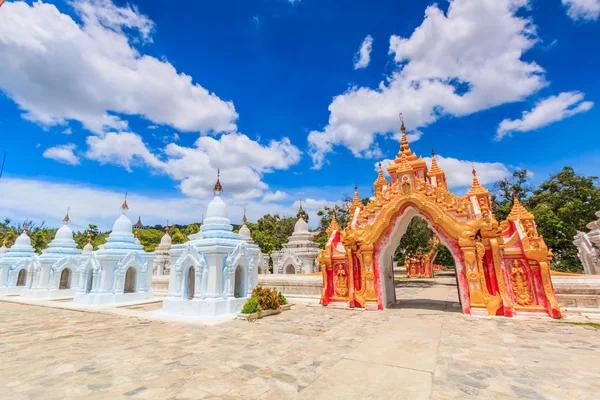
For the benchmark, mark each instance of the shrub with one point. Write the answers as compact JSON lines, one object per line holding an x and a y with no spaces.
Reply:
{"x":252,"y":306}
{"x":282,"y":299}
{"x":267,"y":298}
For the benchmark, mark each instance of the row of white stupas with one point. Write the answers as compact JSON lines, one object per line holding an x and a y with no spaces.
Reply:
{"x":211,"y":274}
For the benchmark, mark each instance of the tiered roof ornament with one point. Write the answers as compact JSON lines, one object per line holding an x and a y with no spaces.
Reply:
{"x":435,"y":174}
{"x":381,"y":181}
{"x":476,"y":188}
{"x":125,"y":206}
{"x":356,"y":203}
{"x":518,"y":212}
{"x":218,"y":188}
{"x":139,"y":224}
{"x":66,"y":219}
{"x":334,"y":225}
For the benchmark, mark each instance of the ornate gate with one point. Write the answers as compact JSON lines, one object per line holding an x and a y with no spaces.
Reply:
{"x":502,"y":268}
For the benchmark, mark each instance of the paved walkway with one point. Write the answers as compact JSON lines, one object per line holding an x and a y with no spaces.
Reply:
{"x":422,"y":348}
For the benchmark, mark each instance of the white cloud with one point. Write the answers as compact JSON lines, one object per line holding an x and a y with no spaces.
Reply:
{"x":90,"y":205}
{"x":67,"y":131}
{"x":63,"y":154}
{"x":586,"y":10}
{"x":362,"y":58}
{"x":459,"y":172}
{"x":242,"y":161}
{"x":122,"y":148}
{"x":93,"y":70}
{"x":545,"y":112}
{"x":457,"y":63}
{"x":271,"y":197}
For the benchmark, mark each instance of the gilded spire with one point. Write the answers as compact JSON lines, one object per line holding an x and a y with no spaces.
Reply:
{"x":300,"y":210}
{"x":66,"y":219}
{"x":244,"y":219}
{"x":435,"y":168}
{"x":89,"y":238}
{"x":136,"y":233}
{"x":476,"y":187}
{"x":3,"y":242}
{"x":518,"y":211}
{"x":167,"y":227}
{"x":24,"y":227}
{"x":333,"y":226}
{"x":381,"y":181}
{"x":139,"y":224}
{"x":218,"y":188}
{"x":125,"y":206}
{"x":356,"y":203}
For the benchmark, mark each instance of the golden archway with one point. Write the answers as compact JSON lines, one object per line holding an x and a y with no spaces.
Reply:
{"x":502,"y":269}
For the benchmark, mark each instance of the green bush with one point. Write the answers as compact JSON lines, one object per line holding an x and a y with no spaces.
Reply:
{"x":282,"y":299}
{"x":252,"y":306}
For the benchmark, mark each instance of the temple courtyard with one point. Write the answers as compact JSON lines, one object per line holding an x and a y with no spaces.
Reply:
{"x":422,"y":348}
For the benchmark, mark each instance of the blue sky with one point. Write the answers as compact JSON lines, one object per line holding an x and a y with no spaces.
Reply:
{"x":100,"y":98}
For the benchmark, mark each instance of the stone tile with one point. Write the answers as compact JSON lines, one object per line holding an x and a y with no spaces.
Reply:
{"x":361,"y":380}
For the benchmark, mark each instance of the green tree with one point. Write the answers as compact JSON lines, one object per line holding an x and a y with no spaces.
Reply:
{"x":177,"y":237}
{"x":271,"y":231}
{"x":563,"y":205}
{"x":192,"y":229}
{"x":504,"y":190}
{"x":150,"y":238}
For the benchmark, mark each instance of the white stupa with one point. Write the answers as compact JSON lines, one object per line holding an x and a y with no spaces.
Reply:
{"x":162,"y":263}
{"x":214,"y":273}
{"x":119,"y":272}
{"x":55,"y":274}
{"x":298,"y":255}
{"x":15,"y":263}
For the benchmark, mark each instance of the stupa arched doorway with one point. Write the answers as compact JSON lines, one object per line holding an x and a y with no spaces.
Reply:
{"x":129,"y":280}
{"x":238,"y":290}
{"x":191,"y":283}
{"x":65,"y":279}
{"x":290,"y":269}
{"x":21,"y":277}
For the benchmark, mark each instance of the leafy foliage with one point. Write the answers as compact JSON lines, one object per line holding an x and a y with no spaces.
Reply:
{"x":263,"y":299}
{"x":252,"y":306}
{"x":271,"y":232}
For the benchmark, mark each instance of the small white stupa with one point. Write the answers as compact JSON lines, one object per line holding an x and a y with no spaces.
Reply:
{"x":3,"y":249}
{"x":214,"y":273}
{"x":120,"y":272}
{"x":55,"y":274}
{"x":14,"y":264}
{"x":162,"y":263}
{"x":298,"y":255}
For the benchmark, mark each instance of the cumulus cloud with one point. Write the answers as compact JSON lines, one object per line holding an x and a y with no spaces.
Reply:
{"x":58,"y":70}
{"x":242,"y":161}
{"x":457,"y":63}
{"x":582,"y":10}
{"x":278,"y":195}
{"x":545,"y":112}
{"x":63,"y":153}
{"x":362,"y":58}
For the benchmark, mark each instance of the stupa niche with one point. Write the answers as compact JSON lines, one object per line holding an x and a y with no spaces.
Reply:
{"x":55,"y":274}
{"x":299,"y":254}
{"x":214,"y":273}
{"x":119,"y":272}
{"x":14,"y":264}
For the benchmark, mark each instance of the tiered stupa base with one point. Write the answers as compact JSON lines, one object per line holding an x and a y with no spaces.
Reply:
{"x":203,"y":307}
{"x":109,"y":299}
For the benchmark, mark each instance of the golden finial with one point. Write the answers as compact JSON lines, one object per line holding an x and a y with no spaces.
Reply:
{"x":244,"y":219}
{"x":24,"y":227}
{"x":404,"y":165}
{"x":476,"y":187}
{"x":66,"y":219}
{"x":3,"y":242}
{"x":381,"y":181}
{"x":125,"y":206}
{"x":435,"y":168}
{"x":333,"y":226}
{"x":402,"y":128}
{"x":167,"y":226}
{"x":218,"y":187}
{"x":300,"y":210}
{"x":355,"y":202}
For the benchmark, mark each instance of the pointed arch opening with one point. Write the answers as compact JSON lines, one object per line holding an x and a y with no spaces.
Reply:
{"x":289,"y":269}
{"x":191,"y":283}
{"x":130,"y":280}
{"x":90,"y":280}
{"x":238,"y":287}
{"x":65,"y":279}
{"x":22,"y":277}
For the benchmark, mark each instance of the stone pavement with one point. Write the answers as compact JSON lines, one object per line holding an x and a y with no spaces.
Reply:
{"x":422,"y":348}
